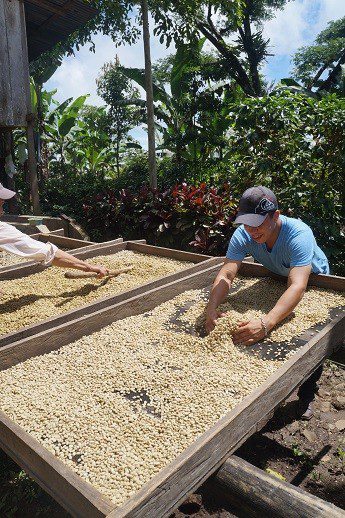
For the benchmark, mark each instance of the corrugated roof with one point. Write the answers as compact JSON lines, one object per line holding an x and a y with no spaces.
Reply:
{"x":50,"y":21}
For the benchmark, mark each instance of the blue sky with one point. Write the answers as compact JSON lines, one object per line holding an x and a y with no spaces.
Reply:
{"x":292,"y":27}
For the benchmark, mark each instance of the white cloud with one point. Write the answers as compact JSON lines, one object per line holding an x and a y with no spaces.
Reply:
{"x":299,"y":22}
{"x":77,"y":74}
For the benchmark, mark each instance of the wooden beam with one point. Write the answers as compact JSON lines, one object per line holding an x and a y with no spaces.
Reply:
{"x":172,"y":485}
{"x":252,"y":492}
{"x":52,"y":8}
{"x":330,"y":282}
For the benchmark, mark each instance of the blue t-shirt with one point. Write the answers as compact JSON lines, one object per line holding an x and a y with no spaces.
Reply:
{"x":295,"y":246}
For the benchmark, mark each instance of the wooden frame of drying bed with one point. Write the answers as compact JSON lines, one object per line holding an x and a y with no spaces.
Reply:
{"x":106,"y":248}
{"x":160,"y":496}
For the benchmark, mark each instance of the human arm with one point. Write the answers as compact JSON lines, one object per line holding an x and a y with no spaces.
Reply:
{"x":18,"y":243}
{"x":219,"y":291}
{"x":64,"y":260}
{"x":250,"y":332}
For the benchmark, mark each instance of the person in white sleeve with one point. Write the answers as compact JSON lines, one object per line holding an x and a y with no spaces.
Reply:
{"x":15,"y":242}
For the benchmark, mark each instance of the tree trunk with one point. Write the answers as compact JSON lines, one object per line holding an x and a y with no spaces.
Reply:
{"x":149,"y":97}
{"x":118,"y":156}
{"x":247,"y":40}
{"x":329,"y":82}
{"x":238,"y":72}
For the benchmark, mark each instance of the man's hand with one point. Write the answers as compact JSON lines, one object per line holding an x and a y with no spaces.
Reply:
{"x":100,"y":270}
{"x":249,"y":332}
{"x":211,"y":317}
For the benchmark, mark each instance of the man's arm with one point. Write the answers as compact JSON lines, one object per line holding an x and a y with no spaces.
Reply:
{"x":252,"y":331}
{"x":65,"y":260}
{"x":219,"y":292}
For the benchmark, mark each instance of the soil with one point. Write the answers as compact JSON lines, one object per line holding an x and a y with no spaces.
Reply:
{"x":308,"y":454}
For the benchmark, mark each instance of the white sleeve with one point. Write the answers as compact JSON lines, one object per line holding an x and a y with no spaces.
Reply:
{"x":15,"y":242}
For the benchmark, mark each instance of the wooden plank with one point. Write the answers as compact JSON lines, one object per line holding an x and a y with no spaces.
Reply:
{"x":179,"y":255}
{"x":195,"y":464}
{"x":331,"y":282}
{"x":63,"y":241}
{"x":52,"y":338}
{"x":57,"y":232}
{"x":6,"y":113}
{"x":170,"y":487}
{"x":18,"y":64}
{"x":250,"y":491}
{"x":74,"y":494}
{"x":53,"y":8}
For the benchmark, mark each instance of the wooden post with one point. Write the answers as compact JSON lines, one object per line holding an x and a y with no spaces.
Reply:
{"x":8,"y":177}
{"x":32,"y":165}
{"x":252,"y":492}
{"x":149,"y":97}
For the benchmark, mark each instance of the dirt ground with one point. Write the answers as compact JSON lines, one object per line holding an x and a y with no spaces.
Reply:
{"x":310,"y":455}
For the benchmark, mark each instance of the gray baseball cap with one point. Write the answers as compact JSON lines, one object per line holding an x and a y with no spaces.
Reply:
{"x":255,"y":205}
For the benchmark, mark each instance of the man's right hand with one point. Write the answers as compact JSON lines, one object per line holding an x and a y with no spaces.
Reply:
{"x":211,"y":317}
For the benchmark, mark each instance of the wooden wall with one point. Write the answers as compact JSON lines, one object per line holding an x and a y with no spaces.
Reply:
{"x":14,"y":73}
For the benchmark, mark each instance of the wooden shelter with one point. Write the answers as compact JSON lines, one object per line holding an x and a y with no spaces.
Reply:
{"x":28,"y":28}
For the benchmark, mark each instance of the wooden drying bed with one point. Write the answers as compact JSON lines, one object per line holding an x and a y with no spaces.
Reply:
{"x":160,"y":496}
{"x":106,"y":248}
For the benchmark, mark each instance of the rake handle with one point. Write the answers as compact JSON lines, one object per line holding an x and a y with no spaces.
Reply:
{"x":89,"y":275}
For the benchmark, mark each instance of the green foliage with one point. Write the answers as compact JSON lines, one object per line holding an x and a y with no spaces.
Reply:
{"x":295,"y":145}
{"x":313,"y":61}
{"x":218,"y":21}
{"x":192,"y":118}
{"x":116,"y":90}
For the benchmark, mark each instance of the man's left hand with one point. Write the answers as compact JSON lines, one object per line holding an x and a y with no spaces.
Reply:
{"x":100,"y":270}
{"x":249,"y":332}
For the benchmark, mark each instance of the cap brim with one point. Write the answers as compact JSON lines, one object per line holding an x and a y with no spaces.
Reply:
{"x":252,"y":220}
{"x":6,"y":194}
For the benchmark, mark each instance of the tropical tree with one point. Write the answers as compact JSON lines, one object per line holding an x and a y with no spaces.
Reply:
{"x":190,"y":108}
{"x":234,"y":29}
{"x":321,"y":66}
{"x":61,"y":124}
{"x":119,"y":94}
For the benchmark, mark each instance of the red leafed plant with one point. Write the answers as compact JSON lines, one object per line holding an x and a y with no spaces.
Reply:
{"x":184,"y":216}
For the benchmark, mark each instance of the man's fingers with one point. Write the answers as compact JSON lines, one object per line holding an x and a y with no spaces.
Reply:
{"x":210,"y":325}
{"x":241,"y":339}
{"x":251,"y":341}
{"x":244,"y":323}
{"x":240,"y":331}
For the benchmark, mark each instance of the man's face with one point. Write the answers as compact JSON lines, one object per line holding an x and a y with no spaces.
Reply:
{"x":262,"y":233}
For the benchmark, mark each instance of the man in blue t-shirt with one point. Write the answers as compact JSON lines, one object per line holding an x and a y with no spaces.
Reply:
{"x":285,"y":246}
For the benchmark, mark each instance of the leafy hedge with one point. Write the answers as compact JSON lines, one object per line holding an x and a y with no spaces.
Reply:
{"x":184,"y":216}
{"x":291,"y":143}
{"x":296,"y":146}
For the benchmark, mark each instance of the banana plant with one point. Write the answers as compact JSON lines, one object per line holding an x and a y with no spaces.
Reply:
{"x":178,"y":112}
{"x":62,"y":123}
